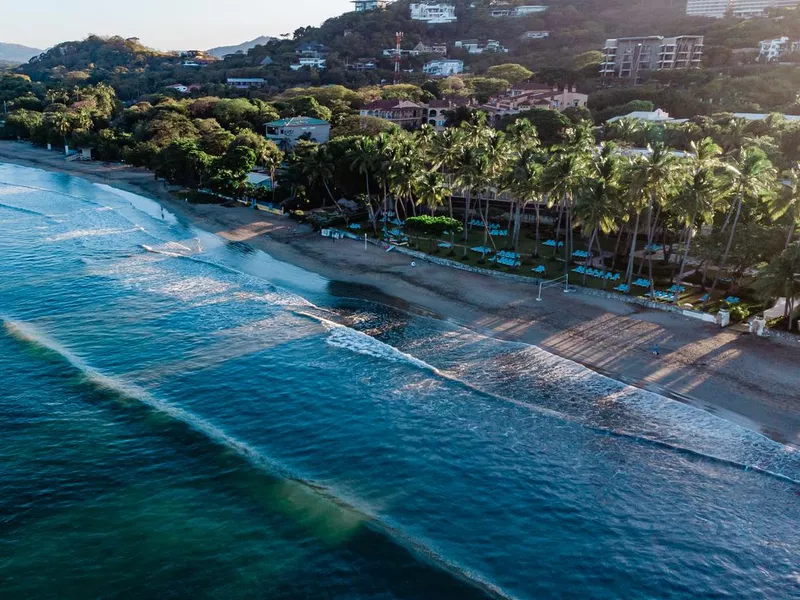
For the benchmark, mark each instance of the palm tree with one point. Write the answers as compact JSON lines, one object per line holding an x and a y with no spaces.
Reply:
{"x":701,"y":194}
{"x":626,"y":130}
{"x":734,"y":136}
{"x":752,"y":178}
{"x":565,"y":177}
{"x":363,"y":161}
{"x":526,"y":184}
{"x":781,"y":278}
{"x":497,"y":154}
{"x":655,"y":174}
{"x":788,"y":202}
{"x":598,"y":204}
{"x":318,"y":166}
{"x":468,"y":176}
{"x":431,"y":191}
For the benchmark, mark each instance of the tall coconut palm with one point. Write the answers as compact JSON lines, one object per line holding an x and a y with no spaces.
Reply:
{"x":431,"y":190}
{"x":781,"y":278}
{"x":498,"y":153}
{"x":565,"y":177}
{"x":526,"y":185}
{"x":700,"y":196}
{"x":752,"y":178}
{"x":468,"y":177}
{"x":318,"y":167}
{"x":364,"y":161}
{"x":598,"y":205}
{"x":787,"y":202}
{"x":656,"y":175}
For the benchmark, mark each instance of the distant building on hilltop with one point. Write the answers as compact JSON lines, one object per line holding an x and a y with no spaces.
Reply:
{"x":433,"y":13}
{"x":312,"y":62}
{"x":774,"y":50}
{"x":478,"y":47}
{"x":516,"y":12}
{"x":628,"y":58}
{"x":363,"y":64}
{"x":245,"y":83}
{"x":527,"y":96}
{"x":535,"y":35}
{"x":287,"y":132}
{"x":423,"y":48}
{"x":652,"y":116}
{"x":443,"y":67}
{"x":742,"y":9}
{"x":366,"y":5}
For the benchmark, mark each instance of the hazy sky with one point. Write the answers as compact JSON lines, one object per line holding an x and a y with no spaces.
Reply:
{"x":163,"y":24}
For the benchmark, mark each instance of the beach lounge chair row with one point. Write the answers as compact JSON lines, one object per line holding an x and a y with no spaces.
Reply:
{"x":445,"y":245}
{"x":733,"y":300}
{"x":581,"y":254}
{"x":354,"y":226}
{"x":552,"y":244}
{"x":597,"y":273}
{"x":498,"y":232}
{"x":508,"y":254}
{"x":397,"y":222}
{"x":659,"y":295}
{"x":508,"y":262}
{"x":540,"y":269}
{"x":677,"y":290}
{"x":622,"y":287}
{"x":641,"y":282}
{"x":482,"y":249}
{"x":652,"y":248}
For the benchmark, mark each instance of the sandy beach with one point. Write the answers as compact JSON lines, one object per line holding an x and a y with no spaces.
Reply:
{"x":734,"y":375}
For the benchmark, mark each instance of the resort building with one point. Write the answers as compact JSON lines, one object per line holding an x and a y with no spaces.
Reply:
{"x":740,"y":9}
{"x":443,"y":67}
{"x":403,"y":113}
{"x":518,"y":100}
{"x":436,"y":112}
{"x":478,"y":47}
{"x":516,"y":12}
{"x":245,"y":83}
{"x":433,"y":13}
{"x":287,"y":132}
{"x":630,"y":58}
{"x":774,"y":50}
{"x":366,"y":5}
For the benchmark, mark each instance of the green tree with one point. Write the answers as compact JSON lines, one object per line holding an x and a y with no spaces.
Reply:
{"x":780,"y":278}
{"x":511,"y":72}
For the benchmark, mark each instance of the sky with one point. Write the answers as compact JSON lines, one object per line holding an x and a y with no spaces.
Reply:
{"x":162,"y":24}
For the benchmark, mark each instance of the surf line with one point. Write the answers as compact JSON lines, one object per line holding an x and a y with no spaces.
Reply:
{"x":358,"y":344}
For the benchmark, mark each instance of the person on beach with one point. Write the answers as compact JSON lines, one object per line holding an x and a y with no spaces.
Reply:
{"x":656,"y":351}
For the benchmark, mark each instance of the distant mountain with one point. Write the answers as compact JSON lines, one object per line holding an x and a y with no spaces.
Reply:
{"x":16,"y":53}
{"x":223,"y":50}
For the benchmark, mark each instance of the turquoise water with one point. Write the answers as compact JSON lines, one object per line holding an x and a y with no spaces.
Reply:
{"x":183,"y":417}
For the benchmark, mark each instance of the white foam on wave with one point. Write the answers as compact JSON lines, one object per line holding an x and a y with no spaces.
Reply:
{"x":85,"y":233}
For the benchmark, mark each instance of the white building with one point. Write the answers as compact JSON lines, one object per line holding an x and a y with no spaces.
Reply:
{"x":245,"y":83}
{"x":365,"y":5}
{"x":774,"y":50}
{"x":312,"y":62}
{"x":535,"y":35}
{"x":518,"y":11}
{"x":654,"y":116}
{"x":287,"y":132}
{"x":433,"y":13}
{"x":478,"y":47}
{"x":443,"y":67}
{"x":742,"y":9}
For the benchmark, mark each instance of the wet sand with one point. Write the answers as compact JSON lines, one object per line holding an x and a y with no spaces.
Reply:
{"x":754,"y":382}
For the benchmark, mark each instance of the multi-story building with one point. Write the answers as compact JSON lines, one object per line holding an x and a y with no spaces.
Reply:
{"x":433,"y":13}
{"x":774,"y":50}
{"x":524,"y":97}
{"x":312,"y":62}
{"x":365,"y":5}
{"x":535,"y":35}
{"x":443,"y":67}
{"x":405,"y":114}
{"x":517,"y":11}
{"x":423,"y":48}
{"x":742,"y":9}
{"x":363,"y":64}
{"x":634,"y":57}
{"x":479,"y":47}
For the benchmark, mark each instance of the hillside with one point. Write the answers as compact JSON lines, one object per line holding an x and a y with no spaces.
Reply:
{"x":17,"y":53}
{"x":222,"y":51}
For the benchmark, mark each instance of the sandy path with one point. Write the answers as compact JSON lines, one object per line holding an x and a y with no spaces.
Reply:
{"x":755,"y":382}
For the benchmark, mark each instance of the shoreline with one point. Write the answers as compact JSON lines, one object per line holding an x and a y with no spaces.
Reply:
{"x":750,"y":381}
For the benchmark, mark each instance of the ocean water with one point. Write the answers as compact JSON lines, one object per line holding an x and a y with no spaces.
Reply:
{"x":183,"y":417}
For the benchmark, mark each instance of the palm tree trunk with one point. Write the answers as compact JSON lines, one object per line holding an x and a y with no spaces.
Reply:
{"x":689,"y":237}
{"x":567,"y":253}
{"x":589,"y":261}
{"x":466,"y":217}
{"x":635,"y":234}
{"x":616,"y":247}
{"x":558,"y":225}
{"x":791,"y":234}
{"x":538,"y":214}
{"x":724,"y":260}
